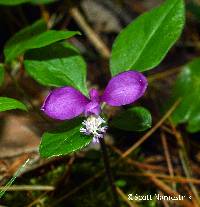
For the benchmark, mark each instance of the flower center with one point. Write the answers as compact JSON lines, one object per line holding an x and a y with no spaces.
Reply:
{"x":94,"y":125}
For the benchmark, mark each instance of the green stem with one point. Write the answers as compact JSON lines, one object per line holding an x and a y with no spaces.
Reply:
{"x":108,"y":172}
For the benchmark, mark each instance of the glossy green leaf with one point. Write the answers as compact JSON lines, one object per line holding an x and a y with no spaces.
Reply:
{"x":10,"y":103}
{"x":144,"y":43}
{"x":133,"y":119}
{"x":59,"y":64}
{"x":1,"y":74}
{"x":34,"y":36}
{"x":187,"y":88}
{"x":63,"y":143}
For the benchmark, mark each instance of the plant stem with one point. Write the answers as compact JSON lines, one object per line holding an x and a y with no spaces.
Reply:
{"x":108,"y":172}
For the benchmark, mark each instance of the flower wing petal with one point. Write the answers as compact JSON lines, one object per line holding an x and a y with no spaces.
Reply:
{"x":125,"y":88}
{"x":64,"y":103}
{"x":94,"y":95}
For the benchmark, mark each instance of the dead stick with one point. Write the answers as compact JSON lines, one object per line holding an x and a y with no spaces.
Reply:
{"x":165,"y":188}
{"x":167,"y":156}
{"x":152,"y":130}
{"x":165,"y":204}
{"x":185,"y":202}
{"x":28,"y":188}
{"x":92,"y":36}
{"x":176,"y":179}
{"x":163,"y":74}
{"x":185,"y":161}
{"x":124,"y":197}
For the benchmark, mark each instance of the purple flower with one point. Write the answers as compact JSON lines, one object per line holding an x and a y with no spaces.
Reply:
{"x":66,"y":102}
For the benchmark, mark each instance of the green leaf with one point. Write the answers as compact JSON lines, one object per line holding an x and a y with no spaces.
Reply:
{"x":12,"y":2}
{"x":187,"y":88}
{"x":121,"y":183}
{"x":42,"y":1}
{"x":10,"y":103}
{"x":1,"y":74}
{"x":144,"y":43}
{"x":59,"y":64}
{"x":63,"y":143}
{"x":34,"y":36}
{"x":133,"y":119}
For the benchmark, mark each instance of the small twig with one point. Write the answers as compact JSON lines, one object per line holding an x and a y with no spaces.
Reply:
{"x":92,"y":36}
{"x":176,"y":179}
{"x":165,"y":204}
{"x":153,"y":159}
{"x":37,"y":200}
{"x":165,"y":188}
{"x":137,"y":164}
{"x":45,"y":14}
{"x":152,"y":130}
{"x":167,"y":156}
{"x":163,"y":74}
{"x":166,"y":129}
{"x":19,"y":152}
{"x":28,"y":188}
{"x":185,"y":161}
{"x":150,"y":167}
{"x":124,"y":197}
{"x":17,"y":173}
{"x":108,"y":172}
{"x":185,"y":202}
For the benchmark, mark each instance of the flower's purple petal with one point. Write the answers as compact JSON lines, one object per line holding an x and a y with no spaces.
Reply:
{"x":124,"y":88}
{"x":94,"y":95}
{"x":64,"y":103}
{"x":92,"y":108}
